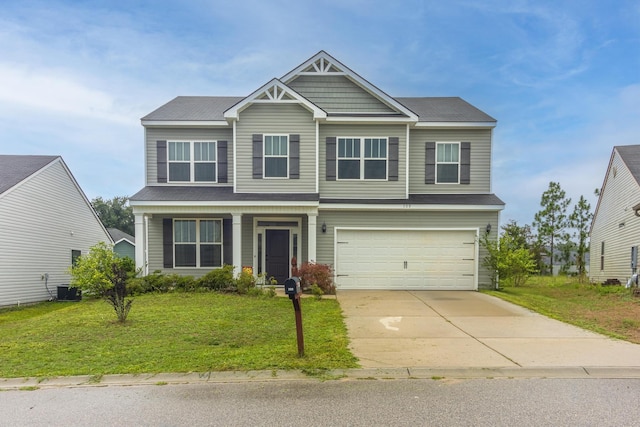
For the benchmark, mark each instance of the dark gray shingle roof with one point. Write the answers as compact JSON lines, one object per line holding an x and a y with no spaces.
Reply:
{"x":430,"y":199}
{"x":212,"y":194}
{"x":450,"y":109}
{"x":118,"y":235}
{"x":196,"y":108}
{"x":15,"y":168}
{"x":226,"y":194}
{"x":630,"y":155}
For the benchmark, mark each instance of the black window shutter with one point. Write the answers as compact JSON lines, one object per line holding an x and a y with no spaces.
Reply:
{"x":161,"y":152}
{"x":465,"y":163}
{"x":167,"y":242}
{"x":257,"y":156}
{"x":222,"y":162}
{"x":294,"y":156}
{"x":394,"y":143}
{"x":227,"y":241}
{"x":430,"y":163}
{"x":331,"y":158}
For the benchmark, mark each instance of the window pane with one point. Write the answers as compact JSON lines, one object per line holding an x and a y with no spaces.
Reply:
{"x":375,"y":169}
{"x":184,"y":231}
{"x":205,"y":172}
{"x":210,"y":255}
{"x":448,"y":173}
{"x":179,"y":172}
{"x":283,"y":146}
{"x":348,"y":169}
{"x":275,"y":167}
{"x":185,"y":255}
{"x":206,"y":231}
{"x":268,"y":145}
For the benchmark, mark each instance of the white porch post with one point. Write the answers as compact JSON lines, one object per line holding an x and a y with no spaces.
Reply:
{"x":311,"y":239}
{"x":141,"y":242}
{"x":237,"y":243}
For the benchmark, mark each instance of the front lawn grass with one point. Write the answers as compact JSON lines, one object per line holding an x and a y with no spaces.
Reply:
{"x":609,"y":310}
{"x":175,"y":332}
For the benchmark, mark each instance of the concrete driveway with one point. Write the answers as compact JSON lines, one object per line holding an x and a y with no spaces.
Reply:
{"x":466,"y":329}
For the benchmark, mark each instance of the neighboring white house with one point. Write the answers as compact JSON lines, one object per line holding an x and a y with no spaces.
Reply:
{"x":45,"y":222}
{"x":616,"y":227}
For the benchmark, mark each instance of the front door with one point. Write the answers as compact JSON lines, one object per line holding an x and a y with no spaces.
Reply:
{"x":277,"y":254}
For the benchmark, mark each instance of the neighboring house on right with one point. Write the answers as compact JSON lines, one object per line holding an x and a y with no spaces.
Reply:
{"x":615,"y":229}
{"x":124,"y":245}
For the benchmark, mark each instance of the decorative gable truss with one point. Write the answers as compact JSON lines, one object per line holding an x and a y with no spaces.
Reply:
{"x":323,"y":64}
{"x":274,"y":92}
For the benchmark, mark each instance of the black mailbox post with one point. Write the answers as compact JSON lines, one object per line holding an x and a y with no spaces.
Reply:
{"x":292,"y":288}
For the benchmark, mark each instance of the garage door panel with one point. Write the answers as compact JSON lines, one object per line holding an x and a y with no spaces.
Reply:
{"x":402,"y":259}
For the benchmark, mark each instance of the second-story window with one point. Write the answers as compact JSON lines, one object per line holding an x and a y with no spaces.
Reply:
{"x":276,"y":156}
{"x":448,"y":163}
{"x":192,"y":161}
{"x":362,"y":158}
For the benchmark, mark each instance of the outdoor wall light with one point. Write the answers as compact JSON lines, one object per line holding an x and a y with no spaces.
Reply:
{"x":488,"y":228}
{"x":324,"y":227}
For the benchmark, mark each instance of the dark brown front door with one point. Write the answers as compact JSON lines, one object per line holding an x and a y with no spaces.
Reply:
{"x":277,"y":254}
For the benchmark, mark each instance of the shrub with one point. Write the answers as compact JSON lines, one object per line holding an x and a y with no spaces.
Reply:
{"x":316,"y":291}
{"x":319,"y":274}
{"x":245,"y":282}
{"x":102,"y":273}
{"x":218,"y":279}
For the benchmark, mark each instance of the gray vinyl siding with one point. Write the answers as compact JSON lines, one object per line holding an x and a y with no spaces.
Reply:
{"x":480,"y":139}
{"x":125,"y":249}
{"x":363,"y":189}
{"x":616,"y":224}
{"x":277,"y":119}
{"x":182,"y":134}
{"x":42,"y":220}
{"x":395,"y":219}
{"x":156,"y":260}
{"x":338,"y":94}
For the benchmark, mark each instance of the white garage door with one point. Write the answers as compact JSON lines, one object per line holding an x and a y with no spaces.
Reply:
{"x":406,"y":259}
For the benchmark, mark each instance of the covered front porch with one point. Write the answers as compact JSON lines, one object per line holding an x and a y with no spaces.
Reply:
{"x":194,"y":239}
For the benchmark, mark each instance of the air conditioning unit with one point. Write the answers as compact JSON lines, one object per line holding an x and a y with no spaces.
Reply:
{"x":67,"y":293}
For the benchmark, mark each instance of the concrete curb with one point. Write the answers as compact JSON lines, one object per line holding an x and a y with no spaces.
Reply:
{"x":339,"y":374}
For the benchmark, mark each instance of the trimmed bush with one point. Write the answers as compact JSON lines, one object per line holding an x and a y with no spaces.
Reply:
{"x":317,"y":274}
{"x":220,"y":279}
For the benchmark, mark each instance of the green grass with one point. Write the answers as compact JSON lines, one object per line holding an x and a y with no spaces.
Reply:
{"x":609,"y":310}
{"x":177,"y":332}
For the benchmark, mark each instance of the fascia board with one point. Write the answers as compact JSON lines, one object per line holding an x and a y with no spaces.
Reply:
{"x":181,"y":203}
{"x":185,"y":123}
{"x":408,"y":207}
{"x":454,"y":125}
{"x":370,"y":120}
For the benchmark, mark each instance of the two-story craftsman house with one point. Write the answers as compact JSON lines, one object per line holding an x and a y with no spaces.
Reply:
{"x":319,"y":165}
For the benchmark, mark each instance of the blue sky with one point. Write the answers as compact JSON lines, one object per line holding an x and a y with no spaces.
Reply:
{"x":561,"y":77}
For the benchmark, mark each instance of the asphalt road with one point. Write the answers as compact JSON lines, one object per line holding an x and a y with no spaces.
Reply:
{"x":416,"y":402}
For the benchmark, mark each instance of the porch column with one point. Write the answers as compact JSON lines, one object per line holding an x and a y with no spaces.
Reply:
{"x":311,"y":238}
{"x":237,"y":243}
{"x":141,"y":242}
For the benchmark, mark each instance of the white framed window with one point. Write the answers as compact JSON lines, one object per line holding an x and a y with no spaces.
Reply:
{"x":192,"y":161}
{"x":362,"y":158}
{"x":197,"y":243}
{"x":448,"y":163}
{"x":276,"y":156}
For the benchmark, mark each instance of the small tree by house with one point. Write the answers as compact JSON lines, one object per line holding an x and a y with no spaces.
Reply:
{"x":580,"y":220}
{"x":508,"y":259}
{"x":102,"y":273}
{"x":551,"y":221}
